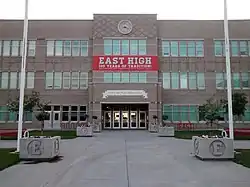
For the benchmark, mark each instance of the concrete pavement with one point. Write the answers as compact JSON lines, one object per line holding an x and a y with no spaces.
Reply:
{"x":127,"y":159}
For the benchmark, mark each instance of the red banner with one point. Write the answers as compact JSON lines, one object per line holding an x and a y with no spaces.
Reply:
{"x":125,"y":63}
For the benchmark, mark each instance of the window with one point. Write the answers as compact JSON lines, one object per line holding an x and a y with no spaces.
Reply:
{"x":75,"y":48}
{"x":75,"y":80}
{"x":6,"y":48}
{"x":243,"y":48}
{"x":200,"y":81}
{"x":107,"y":47}
{"x":58,"y":48}
{"x":4,"y":80}
{"x":125,"y":78}
{"x":3,"y":113}
{"x":218,"y":48}
{"x":165,"y":48}
{"x":66,"y":80}
{"x":125,"y":47}
{"x":220,"y":81}
{"x":184,"y":80}
{"x":245,"y":77}
{"x":236,"y":80}
{"x":50,"y":48}
{"x":167,"y":111}
{"x":142,"y":77}
{"x":1,"y":48}
{"x":175,"y":80}
{"x":83,"y":112}
{"x":31,"y":48}
{"x":134,"y":78}
{"x":116,"y":77}
{"x":83,"y":80}
{"x":234,"y":48}
{"x":58,"y":80}
{"x":65,"y":113}
{"x":108,"y":77}
{"x":199,"y":48}
{"x":193,"y":113}
{"x":73,"y":114}
{"x":13,"y":80}
{"x":30,"y":80}
{"x":116,"y":47}
{"x":84,"y":48}
{"x":183,"y":48}
{"x":166,"y":81}
{"x":192,"y":80}
{"x":176,"y":113}
{"x":184,"y":111}
{"x":246,"y":117}
{"x":15,"y":48}
{"x":142,"y":47}
{"x":67,"y":48}
{"x":174,"y":48}
{"x":191,"y":48}
{"x":49,"y":80}
{"x":133,"y":47}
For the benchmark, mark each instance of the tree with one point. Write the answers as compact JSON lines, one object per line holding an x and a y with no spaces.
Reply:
{"x":239,"y":101}
{"x":42,"y":115}
{"x":210,"y":111}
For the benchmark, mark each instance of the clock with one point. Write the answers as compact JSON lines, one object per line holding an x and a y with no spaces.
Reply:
{"x":125,"y":26}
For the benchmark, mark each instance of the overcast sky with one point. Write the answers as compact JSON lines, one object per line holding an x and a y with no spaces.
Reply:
{"x":84,"y":9}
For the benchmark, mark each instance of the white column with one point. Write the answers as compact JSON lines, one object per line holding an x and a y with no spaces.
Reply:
{"x":22,"y":83}
{"x":228,"y":69}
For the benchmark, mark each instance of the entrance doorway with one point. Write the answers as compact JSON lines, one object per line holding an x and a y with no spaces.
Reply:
{"x":125,"y":116}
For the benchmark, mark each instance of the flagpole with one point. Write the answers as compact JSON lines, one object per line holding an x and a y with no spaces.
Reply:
{"x":23,"y":69}
{"x":228,"y":69}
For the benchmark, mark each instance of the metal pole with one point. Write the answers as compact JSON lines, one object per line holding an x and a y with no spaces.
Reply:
{"x":228,"y":69}
{"x":23,"y":69}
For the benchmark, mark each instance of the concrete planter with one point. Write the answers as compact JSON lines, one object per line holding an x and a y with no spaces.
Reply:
{"x":152,"y":128}
{"x":84,"y":131}
{"x":39,"y":148}
{"x":97,"y":127}
{"x":166,"y":131}
{"x":213,"y":148}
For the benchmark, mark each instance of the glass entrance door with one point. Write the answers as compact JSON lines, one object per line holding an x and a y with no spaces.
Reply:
{"x":133,"y":119}
{"x":107,"y":119}
{"x":142,"y":120}
{"x":116,"y":120}
{"x":125,"y":119}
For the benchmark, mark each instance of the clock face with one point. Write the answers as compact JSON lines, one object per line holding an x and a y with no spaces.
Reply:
{"x":125,"y":26}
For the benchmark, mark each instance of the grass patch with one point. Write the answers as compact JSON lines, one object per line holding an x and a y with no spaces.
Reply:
{"x":188,"y":134}
{"x":63,"y":134}
{"x":243,"y":158}
{"x":7,"y":159}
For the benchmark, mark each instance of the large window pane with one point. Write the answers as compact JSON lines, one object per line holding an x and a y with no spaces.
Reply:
{"x":176,"y":113}
{"x":133,"y":47}
{"x":58,"y":80}
{"x":167,"y":111}
{"x":1,"y":48}
{"x":75,"y":80}
{"x":84,"y":48}
{"x":243,"y":48}
{"x":174,"y":48}
{"x":13,"y":80}
{"x":116,"y":77}
{"x":183,"y":48}
{"x":75,"y":48}
{"x":184,"y":113}
{"x":245,"y":80}
{"x":108,"y":77}
{"x":107,"y":47}
{"x":142,"y":77}
{"x":125,"y":78}
{"x":192,"y":80}
{"x":67,"y":48}
{"x":59,"y":48}
{"x":220,"y":82}
{"x":246,"y":117}
{"x":4,"y":80}
{"x":175,"y":80}
{"x":6,"y":48}
{"x":116,"y":47}
{"x":218,"y":48}
{"x":15,"y":48}
{"x":142,"y":47}
{"x":166,"y":80}
{"x":83,"y":80}
{"x":191,"y":48}
{"x":184,"y":80}
{"x":32,"y":48}
{"x":201,"y":80}
{"x":125,"y":47}
{"x":234,"y":48}
{"x":193,"y":113}
{"x":50,"y":48}
{"x":134,"y":78}
{"x":49,"y":80}
{"x":165,"y":48}
{"x":199,"y":48}
{"x":30,"y":80}
{"x":66,"y":80}
{"x":3,"y":113}
{"x":236,"y":80}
